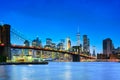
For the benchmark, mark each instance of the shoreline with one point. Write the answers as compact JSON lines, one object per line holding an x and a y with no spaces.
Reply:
{"x":24,"y":63}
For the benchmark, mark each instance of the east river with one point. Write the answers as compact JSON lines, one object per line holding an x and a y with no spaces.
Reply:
{"x":62,"y":71}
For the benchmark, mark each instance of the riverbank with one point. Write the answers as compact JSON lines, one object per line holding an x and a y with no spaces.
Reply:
{"x":24,"y":63}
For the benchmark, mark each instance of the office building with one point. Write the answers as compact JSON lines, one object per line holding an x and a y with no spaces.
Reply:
{"x":93,"y":51}
{"x":36,"y":42}
{"x":116,"y":50}
{"x":48,"y":41}
{"x":53,"y":46}
{"x":60,"y":46}
{"x":107,"y":46}
{"x":27,"y":43}
{"x":86,"y":44}
{"x":68,"y":43}
{"x":78,"y":37}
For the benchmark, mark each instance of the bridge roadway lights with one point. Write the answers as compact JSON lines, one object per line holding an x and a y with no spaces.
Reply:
{"x":76,"y":58}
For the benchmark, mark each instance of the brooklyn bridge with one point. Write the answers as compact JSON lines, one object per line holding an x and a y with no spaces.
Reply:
{"x":16,"y":52}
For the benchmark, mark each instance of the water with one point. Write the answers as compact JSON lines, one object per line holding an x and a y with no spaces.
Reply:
{"x":62,"y":71}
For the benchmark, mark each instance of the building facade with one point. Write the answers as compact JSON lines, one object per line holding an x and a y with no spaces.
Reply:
{"x":107,"y":46}
{"x":27,"y":43}
{"x":78,"y":38}
{"x":86,"y":44}
{"x":48,"y":41}
{"x":37,"y":43}
{"x":68,"y":43}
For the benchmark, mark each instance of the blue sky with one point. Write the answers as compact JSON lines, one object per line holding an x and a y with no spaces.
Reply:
{"x":58,"y":19}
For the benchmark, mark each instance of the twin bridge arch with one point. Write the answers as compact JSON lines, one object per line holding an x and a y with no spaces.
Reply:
{"x":6,"y":46}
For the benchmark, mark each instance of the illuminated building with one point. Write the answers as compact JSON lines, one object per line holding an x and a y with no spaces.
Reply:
{"x":116,"y":50}
{"x":78,"y":37}
{"x":36,"y":42}
{"x":107,"y":46}
{"x":48,"y":41}
{"x":53,"y":46}
{"x":93,"y":51}
{"x":86,"y":44}
{"x":27,"y":43}
{"x":78,"y":47}
{"x":68,"y":43}
{"x":60,"y":46}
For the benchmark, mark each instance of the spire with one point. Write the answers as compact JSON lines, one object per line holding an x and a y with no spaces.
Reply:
{"x":78,"y":37}
{"x":78,"y":31}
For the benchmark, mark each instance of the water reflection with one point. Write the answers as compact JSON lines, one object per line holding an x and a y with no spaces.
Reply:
{"x":68,"y":72}
{"x":61,"y":71}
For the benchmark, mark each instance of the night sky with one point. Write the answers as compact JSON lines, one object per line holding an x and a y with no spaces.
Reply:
{"x":58,"y":19}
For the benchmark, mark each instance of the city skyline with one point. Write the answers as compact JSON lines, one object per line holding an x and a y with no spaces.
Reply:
{"x":58,"y":19}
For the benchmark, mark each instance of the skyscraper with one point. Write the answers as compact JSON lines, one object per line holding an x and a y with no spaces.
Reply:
{"x":36,"y":42}
{"x":107,"y":46}
{"x":93,"y":51}
{"x":27,"y":43}
{"x":48,"y":41}
{"x":68,"y":43}
{"x":60,"y":46}
{"x":86,"y":44}
{"x":78,"y":37}
{"x":39,"y":43}
{"x":53,"y":45}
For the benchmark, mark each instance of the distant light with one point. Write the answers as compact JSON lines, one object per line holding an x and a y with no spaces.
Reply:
{"x":2,"y":44}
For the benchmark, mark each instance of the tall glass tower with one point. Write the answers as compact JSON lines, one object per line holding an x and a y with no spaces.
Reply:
{"x":107,"y":46}
{"x":78,"y":37}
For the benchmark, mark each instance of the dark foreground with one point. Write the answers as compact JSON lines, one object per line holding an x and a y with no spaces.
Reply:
{"x":23,"y":63}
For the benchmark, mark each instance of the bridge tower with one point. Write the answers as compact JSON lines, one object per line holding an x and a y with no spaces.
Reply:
{"x":5,"y":51}
{"x":76,"y":58}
